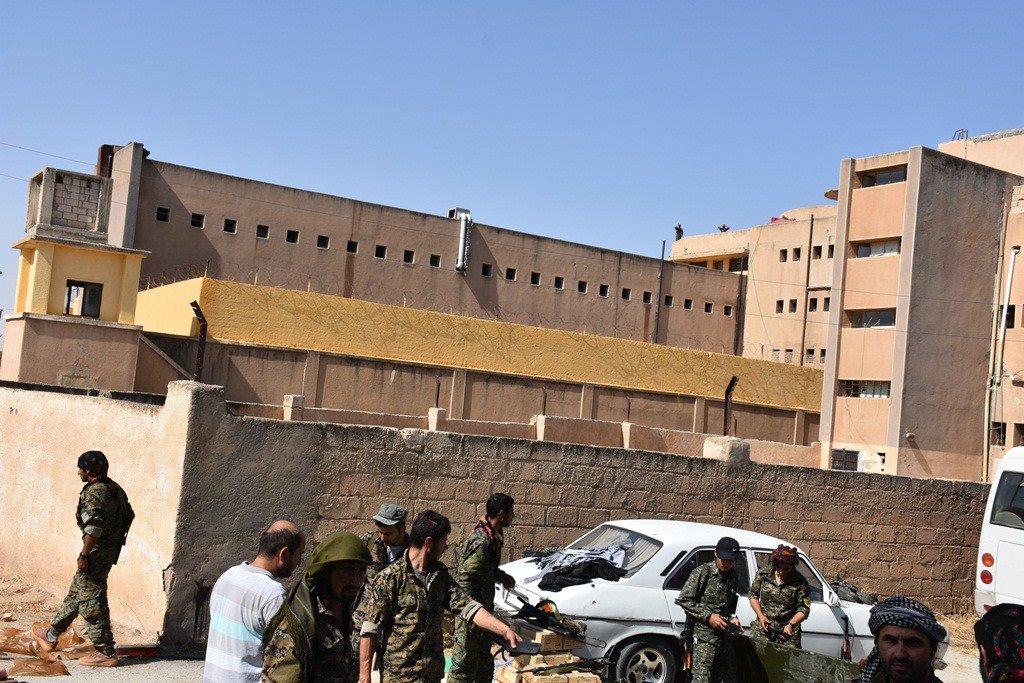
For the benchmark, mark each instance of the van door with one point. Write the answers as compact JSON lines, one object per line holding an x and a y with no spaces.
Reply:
{"x":678,"y":576}
{"x":822,"y":632}
{"x":1006,"y":526}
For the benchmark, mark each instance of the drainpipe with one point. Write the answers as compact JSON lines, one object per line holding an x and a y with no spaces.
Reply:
{"x":807,"y":284}
{"x":996,"y":377}
{"x":728,"y":404}
{"x":201,"y":350}
{"x":657,"y":302}
{"x":462,"y":259}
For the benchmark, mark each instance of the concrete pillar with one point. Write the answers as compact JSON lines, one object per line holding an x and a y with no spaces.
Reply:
{"x":457,"y":407}
{"x":311,"y":378}
{"x":587,"y":402}
{"x":293,"y":407}
{"x":38,"y":295}
{"x":45,"y":215}
{"x":126,"y":177}
{"x":799,"y":421}
{"x":727,"y":449}
{"x":626,"y":430}
{"x":540,"y":421}
{"x":437,"y":419}
{"x":130,"y":268}
{"x":699,"y":415}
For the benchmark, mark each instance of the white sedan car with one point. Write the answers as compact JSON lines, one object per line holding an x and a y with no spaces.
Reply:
{"x":636,"y":617}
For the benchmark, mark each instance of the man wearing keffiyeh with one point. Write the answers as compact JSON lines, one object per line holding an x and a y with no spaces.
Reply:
{"x":907,"y":637}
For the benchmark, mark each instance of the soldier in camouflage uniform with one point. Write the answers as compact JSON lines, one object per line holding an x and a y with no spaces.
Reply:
{"x":104,"y":516}
{"x":387,"y":544}
{"x":310,"y":637}
{"x":709,"y":599}
{"x":406,"y":605}
{"x":472,"y":660}
{"x":780,"y":596}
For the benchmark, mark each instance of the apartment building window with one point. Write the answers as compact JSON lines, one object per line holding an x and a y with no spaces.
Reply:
{"x":163,"y":214}
{"x":789,"y":355}
{"x":812,"y":305}
{"x":826,"y":304}
{"x":510,"y":274}
{"x":669,"y":300}
{"x":230,"y":226}
{"x":831,"y":250}
{"x":997,"y":434}
{"x":1011,"y":315}
{"x":559,"y":282}
{"x":408,"y":256}
{"x":627,"y":293}
{"x":486,"y":269}
{"x":783,"y":255}
{"x":775,"y":355}
{"x":709,"y":307}
{"x":809,"y":357}
{"x":780,"y":306}
{"x":792,"y":305}
{"x":647,"y":297}
{"x":323,"y":241}
{"x":352,"y":247}
{"x":880,"y":248}
{"x":198,"y":220}
{"x":688,"y":304}
{"x":796,"y":253}
{"x":815,"y":253}
{"x":380,"y":251}
{"x":862,"y":388}
{"x":728,"y":310}
{"x":738,"y":264}
{"x":823,"y":356}
{"x":291,"y":236}
{"x":883,"y":317}
{"x":263,"y":232}
{"x":435,"y":260}
{"x":602,"y":290}
{"x":886,"y":177}
{"x":844,"y":460}
{"x":535,"y":279}
{"x":581,"y":286}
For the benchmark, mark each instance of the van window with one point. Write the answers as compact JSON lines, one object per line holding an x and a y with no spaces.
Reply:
{"x":640,"y":548}
{"x":817,"y":592}
{"x":703,"y":556}
{"x":1008,"y":507}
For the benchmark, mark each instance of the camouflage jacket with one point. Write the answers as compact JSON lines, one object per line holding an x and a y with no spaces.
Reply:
{"x":102,"y":513}
{"x":405,"y":614}
{"x":708,"y":591}
{"x":379,"y":551}
{"x":781,"y":603}
{"x":333,"y":658}
{"x":478,"y":569}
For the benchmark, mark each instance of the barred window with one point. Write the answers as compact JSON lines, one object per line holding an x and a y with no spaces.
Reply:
{"x":845,"y":460}
{"x":863,"y":388}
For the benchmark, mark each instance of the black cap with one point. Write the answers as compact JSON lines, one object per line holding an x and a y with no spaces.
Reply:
{"x":728,"y":549}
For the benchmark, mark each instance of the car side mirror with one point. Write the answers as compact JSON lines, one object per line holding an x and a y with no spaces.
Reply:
{"x":832,"y":599}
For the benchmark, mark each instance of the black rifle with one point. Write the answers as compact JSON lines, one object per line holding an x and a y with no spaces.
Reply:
{"x":686,"y":646}
{"x":846,"y":653}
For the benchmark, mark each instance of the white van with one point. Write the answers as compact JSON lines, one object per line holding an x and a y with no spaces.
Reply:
{"x":1001,"y":550}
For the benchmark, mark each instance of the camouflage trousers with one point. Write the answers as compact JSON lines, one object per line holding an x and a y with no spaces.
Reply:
{"x":714,"y":659}
{"x":472,"y":661}
{"x":87,"y":598}
{"x":757,"y":633}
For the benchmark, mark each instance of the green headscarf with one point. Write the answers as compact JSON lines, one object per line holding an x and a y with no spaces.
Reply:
{"x":298,"y":611}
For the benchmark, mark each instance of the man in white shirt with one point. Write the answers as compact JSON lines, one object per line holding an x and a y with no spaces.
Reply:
{"x":244,"y":599}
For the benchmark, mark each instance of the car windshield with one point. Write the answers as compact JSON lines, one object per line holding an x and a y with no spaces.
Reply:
{"x":639,"y":548}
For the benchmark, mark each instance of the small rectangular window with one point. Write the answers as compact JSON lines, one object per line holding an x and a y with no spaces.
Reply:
{"x":738,"y":264}
{"x":559,"y":282}
{"x":352,"y":247}
{"x":997,"y":435}
{"x":669,"y":300}
{"x":291,"y":236}
{"x":163,"y":214}
{"x":809,"y":356}
{"x":627,"y":293}
{"x":486,"y":269}
{"x":602,"y":290}
{"x":82,"y":299}
{"x":709,"y":307}
{"x":775,"y":355}
{"x":789,"y":356}
{"x":883,"y":317}
{"x":783,"y":255}
{"x":380,"y":251}
{"x":263,"y":232}
{"x":815,"y":253}
{"x":230,"y":225}
{"x":812,"y":305}
{"x":535,"y":279}
{"x":894,"y":175}
{"x":323,"y":241}
{"x":792,"y":305}
{"x":844,"y":460}
{"x":823,"y":355}
{"x":510,"y":274}
{"x":581,"y":286}
{"x":728,"y":309}
{"x":198,"y":220}
{"x":831,"y":250}
{"x":647,"y":297}
{"x":435,"y":260}
{"x":826,"y":303}
{"x":408,"y":256}
{"x":688,"y":304}
{"x":780,"y":306}
{"x":717,"y":265}
{"x":862,"y":388}
{"x":1011,"y":315}
{"x":796,"y":253}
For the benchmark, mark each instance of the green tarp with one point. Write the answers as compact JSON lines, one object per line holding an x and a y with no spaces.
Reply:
{"x":763,"y":662}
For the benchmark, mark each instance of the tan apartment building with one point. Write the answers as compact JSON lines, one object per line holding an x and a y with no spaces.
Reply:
{"x":198,"y":223}
{"x":788,"y":264}
{"x":913,"y":328}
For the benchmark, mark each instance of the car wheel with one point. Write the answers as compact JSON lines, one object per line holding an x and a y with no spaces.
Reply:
{"x":647,"y":660}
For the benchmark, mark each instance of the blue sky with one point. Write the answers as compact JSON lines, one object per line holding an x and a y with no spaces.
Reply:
{"x":594,"y":122}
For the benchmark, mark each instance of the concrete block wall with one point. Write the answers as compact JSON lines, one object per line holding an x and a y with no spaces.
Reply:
{"x":76,"y":201}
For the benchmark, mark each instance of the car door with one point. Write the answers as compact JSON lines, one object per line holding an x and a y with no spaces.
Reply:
{"x":677,"y":574}
{"x":823,"y":629}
